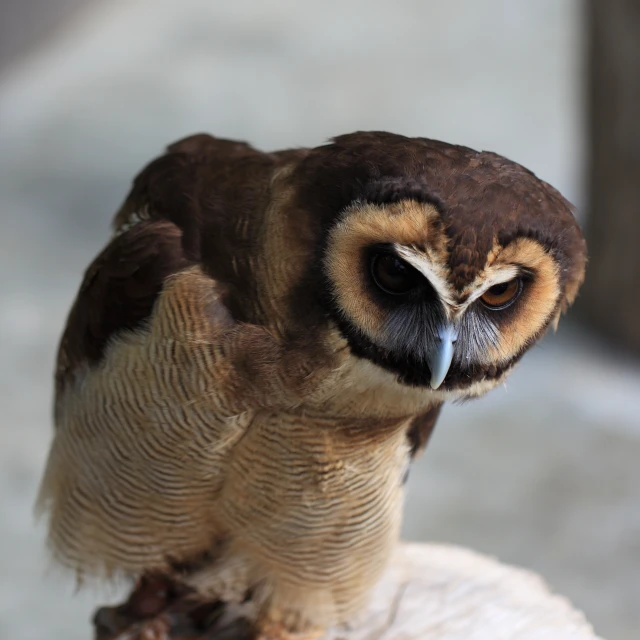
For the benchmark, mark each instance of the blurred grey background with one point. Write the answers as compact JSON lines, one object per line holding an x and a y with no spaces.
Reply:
{"x":544,"y":473}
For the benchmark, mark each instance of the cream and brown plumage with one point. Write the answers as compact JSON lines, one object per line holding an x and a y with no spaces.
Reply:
{"x":266,"y":341}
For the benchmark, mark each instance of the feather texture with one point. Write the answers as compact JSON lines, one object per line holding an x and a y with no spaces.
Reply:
{"x":236,"y":403}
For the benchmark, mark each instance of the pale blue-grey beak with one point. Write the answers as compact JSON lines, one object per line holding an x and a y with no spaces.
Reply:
{"x":440,"y":357}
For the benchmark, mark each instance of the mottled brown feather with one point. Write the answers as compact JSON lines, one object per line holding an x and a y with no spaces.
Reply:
{"x":421,"y":428}
{"x":118,"y":292}
{"x":213,"y":410}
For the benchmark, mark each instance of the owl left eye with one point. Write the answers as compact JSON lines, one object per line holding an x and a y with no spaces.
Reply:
{"x":502,"y":295}
{"x":392,"y":275}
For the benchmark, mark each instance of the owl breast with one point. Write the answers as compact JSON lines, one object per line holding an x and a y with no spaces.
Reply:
{"x":314,"y":506}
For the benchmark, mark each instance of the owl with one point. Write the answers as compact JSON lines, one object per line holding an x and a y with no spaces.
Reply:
{"x":263,"y":346}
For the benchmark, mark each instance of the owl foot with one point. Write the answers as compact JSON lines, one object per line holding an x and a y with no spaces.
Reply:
{"x":277,"y":631}
{"x":160,"y":609}
{"x":179,"y":626}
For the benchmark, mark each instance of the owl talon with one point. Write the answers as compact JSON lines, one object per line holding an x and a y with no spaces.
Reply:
{"x":108,"y":622}
{"x":238,"y":629}
{"x":277,"y":631}
{"x":156,"y":629}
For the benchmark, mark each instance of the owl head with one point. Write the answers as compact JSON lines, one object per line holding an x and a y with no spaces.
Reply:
{"x":437,"y":263}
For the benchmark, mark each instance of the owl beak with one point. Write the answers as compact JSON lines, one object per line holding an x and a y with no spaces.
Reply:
{"x":439,"y":359}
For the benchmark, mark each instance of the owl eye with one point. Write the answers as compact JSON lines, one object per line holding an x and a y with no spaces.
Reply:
{"x":393,"y":275}
{"x":500,"y":296}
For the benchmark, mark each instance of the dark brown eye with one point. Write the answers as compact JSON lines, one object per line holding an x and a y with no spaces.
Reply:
{"x":393,"y":275}
{"x":500,"y":296}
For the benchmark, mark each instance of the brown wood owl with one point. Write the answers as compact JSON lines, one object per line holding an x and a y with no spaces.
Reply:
{"x":266,"y":341}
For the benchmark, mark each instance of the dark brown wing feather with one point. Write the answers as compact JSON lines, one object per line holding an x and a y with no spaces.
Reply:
{"x":202,"y":187}
{"x":421,"y":428}
{"x":118,"y":292}
{"x":200,"y":182}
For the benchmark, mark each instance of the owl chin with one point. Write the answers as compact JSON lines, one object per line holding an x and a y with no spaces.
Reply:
{"x":456,"y":386}
{"x":460,"y":382}
{"x":473,"y":390}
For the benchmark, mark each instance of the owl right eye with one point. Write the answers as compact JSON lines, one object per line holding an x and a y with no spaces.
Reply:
{"x":502,"y":295}
{"x":393,"y":275}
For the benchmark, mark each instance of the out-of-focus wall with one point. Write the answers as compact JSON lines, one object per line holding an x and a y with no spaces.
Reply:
{"x":613,"y":28}
{"x":26,"y":24}
{"x":544,"y":474}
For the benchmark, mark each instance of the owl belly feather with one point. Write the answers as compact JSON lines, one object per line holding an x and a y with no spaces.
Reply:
{"x":314,"y":507}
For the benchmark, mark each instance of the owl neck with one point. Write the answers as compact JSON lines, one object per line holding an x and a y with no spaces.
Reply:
{"x":360,"y":390}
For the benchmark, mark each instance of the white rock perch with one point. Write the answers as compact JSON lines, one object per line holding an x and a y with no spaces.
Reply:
{"x":438,"y":592}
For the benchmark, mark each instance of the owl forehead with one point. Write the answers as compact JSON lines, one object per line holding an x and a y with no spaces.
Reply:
{"x":418,"y":233}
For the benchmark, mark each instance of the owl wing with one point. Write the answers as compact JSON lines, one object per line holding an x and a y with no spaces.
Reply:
{"x":421,"y":428}
{"x":157,"y":378}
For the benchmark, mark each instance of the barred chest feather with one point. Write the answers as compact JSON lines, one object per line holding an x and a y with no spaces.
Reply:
{"x":315,"y":507}
{"x":303,"y":510}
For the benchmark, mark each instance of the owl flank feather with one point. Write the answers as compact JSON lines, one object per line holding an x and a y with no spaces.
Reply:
{"x":265,"y":343}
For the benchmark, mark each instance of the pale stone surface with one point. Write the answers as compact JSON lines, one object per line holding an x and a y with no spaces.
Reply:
{"x":545,"y":475}
{"x":438,"y":592}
